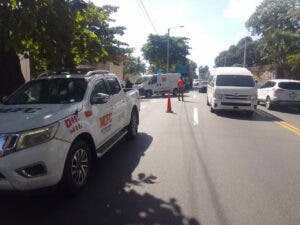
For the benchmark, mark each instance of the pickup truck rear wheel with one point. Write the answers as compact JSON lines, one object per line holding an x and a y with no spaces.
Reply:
{"x":133,"y":126}
{"x":77,"y":167}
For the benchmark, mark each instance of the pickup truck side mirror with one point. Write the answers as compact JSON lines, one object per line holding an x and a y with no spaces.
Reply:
{"x":99,"y":98}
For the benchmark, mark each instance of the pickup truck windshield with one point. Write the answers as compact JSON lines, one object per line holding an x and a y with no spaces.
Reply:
{"x":49,"y":91}
{"x":235,"y":80}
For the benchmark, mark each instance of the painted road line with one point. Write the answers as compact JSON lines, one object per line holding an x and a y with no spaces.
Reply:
{"x":194,"y":94}
{"x":288,"y":126}
{"x":195,"y":117}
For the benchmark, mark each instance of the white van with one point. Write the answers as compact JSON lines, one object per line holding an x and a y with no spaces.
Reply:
{"x":232,"y":88}
{"x":158,"y":84}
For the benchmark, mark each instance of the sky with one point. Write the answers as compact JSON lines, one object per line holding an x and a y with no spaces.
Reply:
{"x":211,"y":25}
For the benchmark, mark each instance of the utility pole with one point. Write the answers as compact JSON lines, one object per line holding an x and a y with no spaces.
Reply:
{"x":245,"y":53}
{"x":168,"y":47}
{"x":168,"y":50}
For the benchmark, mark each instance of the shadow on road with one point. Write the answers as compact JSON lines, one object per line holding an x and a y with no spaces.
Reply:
{"x":289,"y":110}
{"x":109,"y":197}
{"x":259,"y":115}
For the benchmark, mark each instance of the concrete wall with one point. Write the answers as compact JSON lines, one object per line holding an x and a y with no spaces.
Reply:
{"x":111,"y":67}
{"x":263,"y":73}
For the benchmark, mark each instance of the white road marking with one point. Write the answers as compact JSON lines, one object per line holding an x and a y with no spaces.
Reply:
{"x":143,"y":106}
{"x":195,"y":117}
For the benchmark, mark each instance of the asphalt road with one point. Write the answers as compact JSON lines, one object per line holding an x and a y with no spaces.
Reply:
{"x":187,"y":167}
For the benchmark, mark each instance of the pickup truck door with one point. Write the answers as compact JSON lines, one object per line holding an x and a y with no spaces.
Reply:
{"x":100,"y":114}
{"x":119,"y":104}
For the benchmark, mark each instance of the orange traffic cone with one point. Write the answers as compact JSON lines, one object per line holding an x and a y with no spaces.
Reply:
{"x":169,"y":107}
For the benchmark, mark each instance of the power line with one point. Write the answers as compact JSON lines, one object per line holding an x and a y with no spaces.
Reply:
{"x":147,"y":15}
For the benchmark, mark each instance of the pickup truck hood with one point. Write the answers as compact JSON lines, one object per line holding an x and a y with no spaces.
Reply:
{"x":16,"y":118}
{"x":236,"y":90}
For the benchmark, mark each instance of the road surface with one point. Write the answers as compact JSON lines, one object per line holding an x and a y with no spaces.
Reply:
{"x":189,"y":167}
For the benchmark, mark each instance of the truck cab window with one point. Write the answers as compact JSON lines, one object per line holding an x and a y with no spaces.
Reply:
{"x":114,"y":85}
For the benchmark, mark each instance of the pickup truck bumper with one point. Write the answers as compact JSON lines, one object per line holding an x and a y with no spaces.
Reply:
{"x":35,"y":167}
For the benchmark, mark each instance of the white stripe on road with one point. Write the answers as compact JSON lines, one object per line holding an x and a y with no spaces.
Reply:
{"x":195,"y":117}
{"x":194,"y":94}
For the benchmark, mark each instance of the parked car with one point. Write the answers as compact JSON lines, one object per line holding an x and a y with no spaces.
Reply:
{"x":280,"y":92}
{"x":196,"y":83}
{"x":203,"y":86}
{"x":52,"y":128}
{"x":159,"y":85}
{"x":232,"y":88}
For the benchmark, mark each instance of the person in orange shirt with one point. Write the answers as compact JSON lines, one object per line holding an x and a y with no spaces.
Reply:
{"x":180,"y":85}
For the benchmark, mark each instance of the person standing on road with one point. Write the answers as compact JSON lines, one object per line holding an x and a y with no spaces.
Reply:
{"x":180,"y":85}
{"x":128,"y":83}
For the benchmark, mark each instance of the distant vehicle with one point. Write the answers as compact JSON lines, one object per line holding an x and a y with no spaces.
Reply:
{"x":203,"y":86}
{"x":159,"y":84}
{"x":53,"y":127}
{"x":232,"y":88}
{"x":280,"y":92}
{"x":196,"y":83}
{"x":141,"y":80}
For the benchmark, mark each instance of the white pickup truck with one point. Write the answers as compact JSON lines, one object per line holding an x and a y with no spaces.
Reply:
{"x":52,"y":127}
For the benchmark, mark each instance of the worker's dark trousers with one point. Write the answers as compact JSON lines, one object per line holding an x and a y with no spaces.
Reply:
{"x":180,"y":93}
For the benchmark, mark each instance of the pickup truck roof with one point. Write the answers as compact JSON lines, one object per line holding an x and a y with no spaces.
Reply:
{"x":74,"y":73}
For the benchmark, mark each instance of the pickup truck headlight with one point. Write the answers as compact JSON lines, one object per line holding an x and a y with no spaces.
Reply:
{"x":37,"y":136}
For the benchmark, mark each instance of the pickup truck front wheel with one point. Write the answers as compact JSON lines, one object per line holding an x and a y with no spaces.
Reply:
{"x":77,"y":167}
{"x":133,"y":126}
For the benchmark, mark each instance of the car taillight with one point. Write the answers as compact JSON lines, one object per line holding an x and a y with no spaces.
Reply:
{"x":278,"y":90}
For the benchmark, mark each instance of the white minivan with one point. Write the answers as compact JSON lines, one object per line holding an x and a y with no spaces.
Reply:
{"x":232,"y":88}
{"x":158,"y":84}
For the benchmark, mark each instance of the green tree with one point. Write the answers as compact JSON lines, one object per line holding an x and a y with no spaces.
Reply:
{"x":57,"y":34}
{"x":235,"y":54}
{"x":203,"y":72}
{"x":134,"y":66}
{"x":277,"y":22}
{"x":155,"y":51}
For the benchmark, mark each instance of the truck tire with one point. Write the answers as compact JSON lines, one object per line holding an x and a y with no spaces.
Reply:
{"x":77,"y":168}
{"x":133,"y":125}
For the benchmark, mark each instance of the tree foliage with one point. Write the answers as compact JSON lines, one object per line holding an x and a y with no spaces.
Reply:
{"x":235,"y":54}
{"x":203,"y":72}
{"x":155,"y":50}
{"x":277,"y":22}
{"x":60,"y":33}
{"x":134,"y":66}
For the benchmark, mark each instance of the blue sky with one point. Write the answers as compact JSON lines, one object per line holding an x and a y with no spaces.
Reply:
{"x":211,"y":25}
